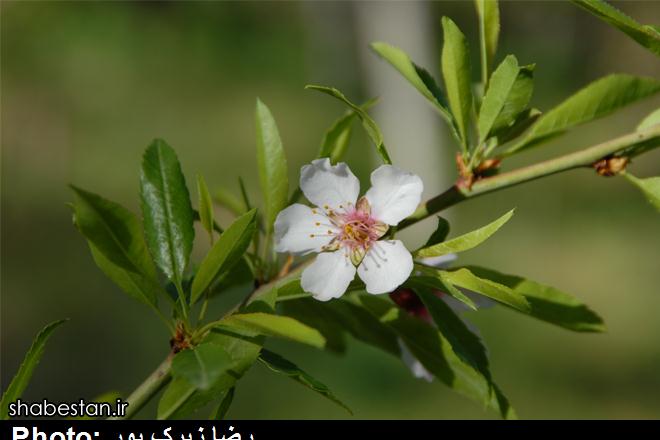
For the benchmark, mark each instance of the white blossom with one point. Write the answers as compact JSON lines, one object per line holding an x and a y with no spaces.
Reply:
{"x":347,"y":232}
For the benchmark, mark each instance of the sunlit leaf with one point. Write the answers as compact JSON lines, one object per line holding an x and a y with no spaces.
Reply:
{"x":547,"y":303}
{"x":315,"y":314}
{"x":596,"y":100}
{"x":650,"y":187}
{"x":465,"y":241}
{"x":649,"y":121}
{"x":434,"y":279}
{"x":278,"y":364}
{"x":489,"y":31}
{"x":457,"y":76}
{"x":253,"y":324}
{"x":22,"y":378}
{"x":166,"y":210}
{"x":499,"y":292}
{"x":272,"y":165}
{"x":416,"y":76}
{"x":336,"y":139}
{"x":646,"y":35}
{"x":500,"y":87}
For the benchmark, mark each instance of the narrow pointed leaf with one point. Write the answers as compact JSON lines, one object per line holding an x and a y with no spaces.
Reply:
{"x":650,"y":187}
{"x":271,"y":159}
{"x":201,"y":365}
{"x":433,"y":350}
{"x":22,"y":378}
{"x":181,"y":399}
{"x":547,"y":303}
{"x":440,"y":233}
{"x":433,"y":279}
{"x":457,"y":76}
{"x":649,"y":121}
{"x":488,"y":12}
{"x":205,"y":205}
{"x":251,"y":324}
{"x":499,"y":292}
{"x":464,"y":343}
{"x":465,"y":241}
{"x":648,"y":36}
{"x":166,"y":210}
{"x":314,"y":314}
{"x":117,"y":243}
{"x":368,"y":123}
{"x":137,"y":285}
{"x":596,"y":100}
{"x":415,"y":75}
{"x":225,"y":253}
{"x":336,"y":139}
{"x":499,"y":89}
{"x":278,"y":364}
{"x":220,"y":411}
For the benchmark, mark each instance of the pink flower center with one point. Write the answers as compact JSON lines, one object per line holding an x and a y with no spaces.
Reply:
{"x":357,"y":229}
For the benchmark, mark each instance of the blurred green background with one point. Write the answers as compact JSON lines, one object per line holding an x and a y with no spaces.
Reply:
{"x":86,"y":86}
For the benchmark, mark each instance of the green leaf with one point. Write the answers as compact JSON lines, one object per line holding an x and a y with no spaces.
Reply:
{"x":181,"y":399}
{"x":433,"y":350}
{"x":650,"y":187}
{"x":467,"y":346}
{"x":499,"y":292}
{"x":520,"y":124}
{"x":252,"y":324}
{"x":202,"y":365}
{"x":220,"y":411}
{"x":278,"y":364}
{"x":489,"y":31}
{"x":439,"y":234}
{"x":138,"y":286}
{"x":272,"y":165}
{"x":205,"y":206}
{"x":166,"y":210}
{"x":336,"y":139}
{"x":547,"y":303}
{"x":435,"y":279}
{"x":226,"y":252}
{"x":22,"y":378}
{"x":416,"y":76}
{"x":368,"y":123}
{"x":649,"y":121}
{"x":596,"y":100}
{"x":465,"y":241}
{"x":516,"y":103}
{"x":648,"y":36}
{"x":315,"y":315}
{"x":499,"y":90}
{"x":117,"y":243}
{"x":226,"y":199}
{"x":457,"y":76}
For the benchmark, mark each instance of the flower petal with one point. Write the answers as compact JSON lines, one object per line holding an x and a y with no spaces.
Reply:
{"x":328,"y":276}
{"x":386,"y":266}
{"x":441,"y":262}
{"x":394,"y":194}
{"x":324,"y":184}
{"x":418,"y":370}
{"x":300,"y":229}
